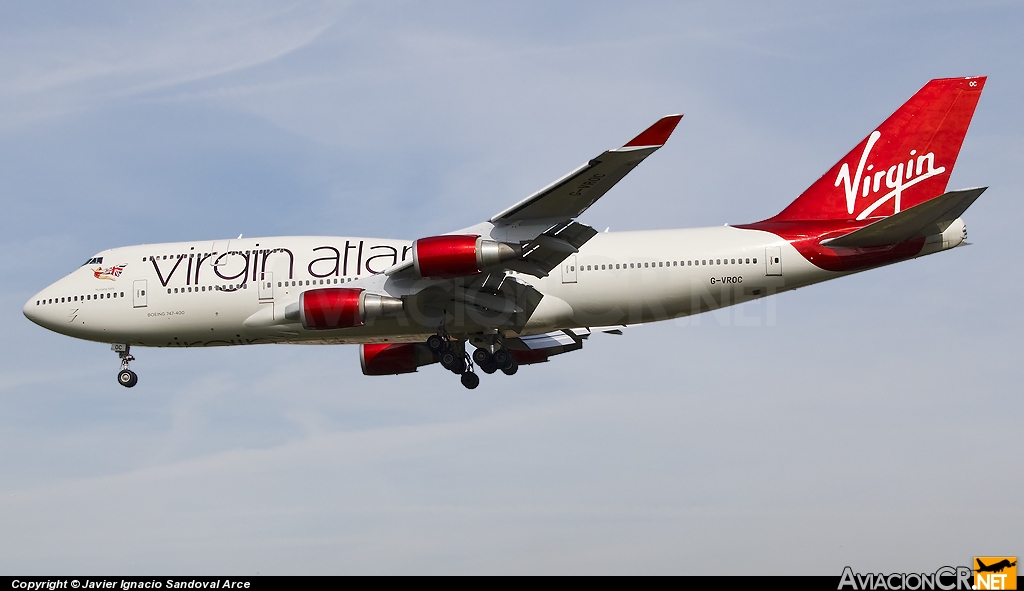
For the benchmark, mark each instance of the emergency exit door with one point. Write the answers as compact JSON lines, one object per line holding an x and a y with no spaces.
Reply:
{"x":773,"y":260}
{"x":569,"y":269}
{"x":139,"y":297}
{"x":266,"y":288}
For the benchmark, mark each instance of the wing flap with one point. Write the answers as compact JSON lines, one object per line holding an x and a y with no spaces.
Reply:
{"x":548,"y":250}
{"x":928,"y":218}
{"x":558,"y":338}
{"x":537,"y":348}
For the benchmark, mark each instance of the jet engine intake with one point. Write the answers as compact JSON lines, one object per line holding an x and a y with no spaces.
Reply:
{"x":440,"y":257}
{"x":394,"y":358}
{"x":340,"y":307}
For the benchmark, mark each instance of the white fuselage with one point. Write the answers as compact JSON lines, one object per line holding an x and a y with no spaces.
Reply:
{"x":179,"y":294}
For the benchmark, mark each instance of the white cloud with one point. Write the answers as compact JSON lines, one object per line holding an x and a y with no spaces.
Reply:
{"x":51,"y":70}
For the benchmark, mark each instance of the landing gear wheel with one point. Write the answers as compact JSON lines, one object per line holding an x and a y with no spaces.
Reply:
{"x":482,"y":357}
{"x":453,"y":362}
{"x":470,"y":380}
{"x":435,"y":343}
{"x":511,"y":369}
{"x":488,"y":368}
{"x":127,"y":378}
{"x":503,"y":359}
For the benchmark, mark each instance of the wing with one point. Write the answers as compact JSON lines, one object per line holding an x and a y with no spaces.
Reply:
{"x":468,"y":269}
{"x":541,"y":227}
{"x":572,"y":194}
{"x":557,"y":204}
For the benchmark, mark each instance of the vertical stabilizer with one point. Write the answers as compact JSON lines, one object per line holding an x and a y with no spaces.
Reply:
{"x":906,"y":161}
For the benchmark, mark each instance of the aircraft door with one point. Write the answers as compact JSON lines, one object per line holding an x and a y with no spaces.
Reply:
{"x":266,"y":288}
{"x":219,"y":247}
{"x":569,"y":269}
{"x":773,"y":260}
{"x":139,"y":297}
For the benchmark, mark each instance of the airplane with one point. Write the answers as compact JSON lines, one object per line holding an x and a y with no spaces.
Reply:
{"x":994,"y":568}
{"x":531,"y":282}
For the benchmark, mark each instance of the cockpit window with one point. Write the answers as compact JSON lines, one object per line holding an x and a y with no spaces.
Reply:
{"x":93,"y":261}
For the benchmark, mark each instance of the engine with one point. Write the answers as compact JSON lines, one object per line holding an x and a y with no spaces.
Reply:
{"x":395,"y":358}
{"x":441,"y":257}
{"x":340,"y":307}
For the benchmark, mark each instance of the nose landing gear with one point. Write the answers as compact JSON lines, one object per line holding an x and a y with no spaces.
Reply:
{"x":125,"y":377}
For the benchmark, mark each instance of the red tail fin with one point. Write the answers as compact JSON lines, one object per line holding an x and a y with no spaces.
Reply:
{"x":906,"y":161}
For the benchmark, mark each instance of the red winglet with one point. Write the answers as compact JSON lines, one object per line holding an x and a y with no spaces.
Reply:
{"x":657,"y":134}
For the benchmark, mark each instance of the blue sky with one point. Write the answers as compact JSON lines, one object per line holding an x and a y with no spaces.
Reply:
{"x":872,"y":421}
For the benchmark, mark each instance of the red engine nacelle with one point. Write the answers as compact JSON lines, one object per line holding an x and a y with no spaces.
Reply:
{"x":393,"y":359}
{"x":330,"y":308}
{"x":340,"y":307}
{"x":440,"y":257}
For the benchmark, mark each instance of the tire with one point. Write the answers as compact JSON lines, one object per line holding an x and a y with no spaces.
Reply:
{"x":482,"y":357}
{"x":127,"y":378}
{"x":511,"y":369}
{"x":488,"y":368}
{"x":448,"y":359}
{"x":502,"y":358}
{"x":470,"y":380}
{"x":435,"y":343}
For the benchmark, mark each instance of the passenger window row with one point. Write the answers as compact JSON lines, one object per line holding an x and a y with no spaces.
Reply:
{"x":80,"y":298}
{"x":177,"y":256}
{"x":200,"y":254}
{"x":328,"y":281}
{"x":686,"y":263}
{"x":199,"y":289}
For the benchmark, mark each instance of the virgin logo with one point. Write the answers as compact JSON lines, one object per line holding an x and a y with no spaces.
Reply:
{"x":897,"y":178}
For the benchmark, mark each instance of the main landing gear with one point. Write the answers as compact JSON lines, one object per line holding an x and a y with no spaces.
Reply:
{"x":453,"y":357}
{"x":125,"y":377}
{"x":491,"y":362}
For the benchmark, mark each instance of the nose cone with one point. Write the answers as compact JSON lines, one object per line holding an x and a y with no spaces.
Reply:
{"x":57,"y":306}
{"x":31,"y":311}
{"x":47,"y":315}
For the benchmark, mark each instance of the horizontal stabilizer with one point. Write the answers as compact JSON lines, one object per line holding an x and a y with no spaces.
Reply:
{"x":926,"y":219}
